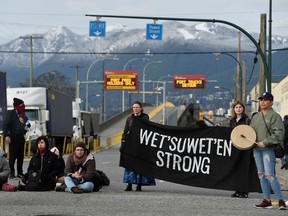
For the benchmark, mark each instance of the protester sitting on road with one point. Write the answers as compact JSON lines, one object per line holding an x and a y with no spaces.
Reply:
{"x":79,"y":171}
{"x":4,"y":173}
{"x":132,"y":177}
{"x":239,"y":117}
{"x":60,"y":177}
{"x":44,"y":164}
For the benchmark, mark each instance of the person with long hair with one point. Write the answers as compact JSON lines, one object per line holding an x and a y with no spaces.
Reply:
{"x":239,"y":117}
{"x":131,"y":177}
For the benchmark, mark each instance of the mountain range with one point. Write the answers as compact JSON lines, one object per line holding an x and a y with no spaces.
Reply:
{"x":183,"y":50}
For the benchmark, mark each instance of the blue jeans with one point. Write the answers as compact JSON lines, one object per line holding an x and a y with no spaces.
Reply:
{"x":265,"y":161}
{"x":72,"y":182}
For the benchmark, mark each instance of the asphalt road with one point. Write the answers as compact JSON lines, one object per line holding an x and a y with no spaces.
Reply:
{"x":164,"y":199}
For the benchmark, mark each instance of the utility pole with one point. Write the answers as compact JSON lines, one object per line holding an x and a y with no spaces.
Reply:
{"x":262,"y":86}
{"x":76,"y":80}
{"x":239,"y":75}
{"x":31,"y":56}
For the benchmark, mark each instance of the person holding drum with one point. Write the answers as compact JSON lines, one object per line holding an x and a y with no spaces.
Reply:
{"x":269,"y":129}
{"x":239,"y":117}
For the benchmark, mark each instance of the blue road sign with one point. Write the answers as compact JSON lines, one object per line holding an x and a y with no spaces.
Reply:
{"x":154,"y":32}
{"x":97,"y":28}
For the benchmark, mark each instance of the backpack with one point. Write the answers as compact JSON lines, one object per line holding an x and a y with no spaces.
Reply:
{"x":100,"y":179}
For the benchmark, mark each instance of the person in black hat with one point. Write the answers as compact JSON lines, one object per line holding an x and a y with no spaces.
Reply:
{"x":269,"y":130}
{"x":15,"y":126}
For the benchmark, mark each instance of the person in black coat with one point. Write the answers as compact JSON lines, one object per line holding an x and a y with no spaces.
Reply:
{"x":15,"y":126}
{"x":131,"y":177}
{"x":239,"y":117}
{"x":47,"y":163}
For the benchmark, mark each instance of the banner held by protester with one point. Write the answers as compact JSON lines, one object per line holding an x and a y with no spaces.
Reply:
{"x":201,"y":157}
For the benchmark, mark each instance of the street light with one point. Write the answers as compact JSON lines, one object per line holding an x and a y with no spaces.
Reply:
{"x":44,"y":74}
{"x":103,"y":91}
{"x":157,"y":88}
{"x":124,"y":69}
{"x":87,"y":79}
{"x":87,"y":76}
{"x":240,"y":70}
{"x":220,"y":87}
{"x":144,"y":73}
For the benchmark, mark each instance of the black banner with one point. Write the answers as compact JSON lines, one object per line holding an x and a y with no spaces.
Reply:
{"x":201,"y":157}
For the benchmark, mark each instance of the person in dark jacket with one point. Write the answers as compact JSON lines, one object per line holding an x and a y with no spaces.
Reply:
{"x":60,"y":177}
{"x":15,"y":126}
{"x":79,"y":171}
{"x":132,"y":177}
{"x":47,"y":163}
{"x":285,"y":144}
{"x":239,"y":117}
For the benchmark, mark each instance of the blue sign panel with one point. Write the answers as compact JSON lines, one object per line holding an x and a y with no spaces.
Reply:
{"x":97,"y":28}
{"x":154,"y":32}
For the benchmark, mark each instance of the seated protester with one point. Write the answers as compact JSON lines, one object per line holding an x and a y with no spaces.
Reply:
{"x":60,"y":177}
{"x":79,"y":170}
{"x":4,"y":173}
{"x":43,"y":164}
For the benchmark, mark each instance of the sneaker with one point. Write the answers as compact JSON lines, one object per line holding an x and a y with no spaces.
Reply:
{"x":265,"y":204}
{"x":234,"y":195}
{"x":9,"y":187}
{"x":243,"y":195}
{"x":60,"y":188}
{"x":77,"y":190}
{"x":282,"y":205}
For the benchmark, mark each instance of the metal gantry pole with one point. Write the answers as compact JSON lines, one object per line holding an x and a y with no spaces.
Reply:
{"x":260,"y":51}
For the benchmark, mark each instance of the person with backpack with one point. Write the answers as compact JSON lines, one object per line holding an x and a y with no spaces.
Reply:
{"x":43,"y":169}
{"x":79,"y":171}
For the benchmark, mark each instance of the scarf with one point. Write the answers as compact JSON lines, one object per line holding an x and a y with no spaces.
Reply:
{"x":78,"y":161}
{"x":20,"y":110}
{"x":42,"y":151}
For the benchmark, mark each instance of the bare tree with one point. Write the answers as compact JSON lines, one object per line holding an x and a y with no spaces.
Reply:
{"x":53,"y":80}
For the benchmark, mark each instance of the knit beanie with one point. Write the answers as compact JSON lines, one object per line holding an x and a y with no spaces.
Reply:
{"x":81,"y":145}
{"x":17,"y":101}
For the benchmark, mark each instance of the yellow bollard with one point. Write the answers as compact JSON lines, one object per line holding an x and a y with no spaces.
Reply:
{"x":201,"y":116}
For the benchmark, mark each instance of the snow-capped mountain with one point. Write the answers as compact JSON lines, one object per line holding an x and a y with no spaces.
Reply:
{"x":60,"y":48}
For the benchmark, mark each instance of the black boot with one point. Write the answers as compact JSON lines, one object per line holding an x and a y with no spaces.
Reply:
{"x":129,"y":187}
{"x":12,"y":175}
{"x":138,"y":187}
{"x":21,"y":187}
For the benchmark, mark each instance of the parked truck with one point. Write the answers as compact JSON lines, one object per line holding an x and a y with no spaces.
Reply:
{"x":49,"y":113}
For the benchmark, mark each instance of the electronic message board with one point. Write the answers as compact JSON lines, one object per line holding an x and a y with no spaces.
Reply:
{"x":121,"y":80}
{"x":189,"y":81}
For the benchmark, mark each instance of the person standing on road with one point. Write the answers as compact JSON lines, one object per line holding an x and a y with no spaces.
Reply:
{"x":79,"y":171}
{"x":131,"y":177}
{"x":269,"y":130}
{"x":239,"y":117}
{"x":285,"y":144}
{"x":15,"y":126}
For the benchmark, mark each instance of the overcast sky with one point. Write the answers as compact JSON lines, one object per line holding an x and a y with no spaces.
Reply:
{"x":20,"y":17}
